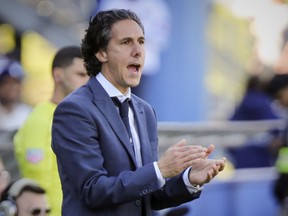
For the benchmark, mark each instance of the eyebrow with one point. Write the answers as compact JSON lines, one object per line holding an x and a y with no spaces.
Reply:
{"x":130,"y":38}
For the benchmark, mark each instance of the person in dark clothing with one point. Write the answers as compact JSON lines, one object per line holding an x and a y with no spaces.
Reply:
{"x":257,"y":104}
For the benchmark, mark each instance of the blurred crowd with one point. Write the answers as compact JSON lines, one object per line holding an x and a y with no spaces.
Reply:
{"x":13,"y":111}
{"x":25,"y":139}
{"x":266,"y":98}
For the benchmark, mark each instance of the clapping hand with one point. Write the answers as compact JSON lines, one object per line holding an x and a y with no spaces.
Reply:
{"x":181,"y":156}
{"x":204,"y":170}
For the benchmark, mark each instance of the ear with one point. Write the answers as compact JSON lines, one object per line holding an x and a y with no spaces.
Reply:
{"x":101,"y":55}
{"x":57,"y":74}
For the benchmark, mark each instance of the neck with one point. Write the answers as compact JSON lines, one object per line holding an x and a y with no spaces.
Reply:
{"x":57,"y":97}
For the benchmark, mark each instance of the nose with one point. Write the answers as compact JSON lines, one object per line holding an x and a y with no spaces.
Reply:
{"x":137,"y":50}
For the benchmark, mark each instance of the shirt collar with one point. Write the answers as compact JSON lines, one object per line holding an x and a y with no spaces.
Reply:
{"x":112,"y":90}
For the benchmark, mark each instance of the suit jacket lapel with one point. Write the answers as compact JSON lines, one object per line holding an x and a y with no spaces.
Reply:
{"x":142,"y":131}
{"x":106,"y":106}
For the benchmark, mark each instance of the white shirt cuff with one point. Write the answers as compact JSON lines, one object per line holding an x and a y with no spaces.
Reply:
{"x":161,"y":180}
{"x":192,"y":189}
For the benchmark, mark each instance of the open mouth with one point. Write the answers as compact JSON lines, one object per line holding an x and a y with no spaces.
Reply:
{"x":134,"y":67}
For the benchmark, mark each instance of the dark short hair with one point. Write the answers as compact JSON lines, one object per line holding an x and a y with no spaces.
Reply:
{"x":16,"y":188}
{"x":33,"y":188}
{"x":277,"y":83}
{"x":98,"y":35}
{"x":65,"y":56}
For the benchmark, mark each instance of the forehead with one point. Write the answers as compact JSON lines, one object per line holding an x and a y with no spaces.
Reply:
{"x":77,"y":64}
{"x":126,"y":28}
{"x":30,"y":200}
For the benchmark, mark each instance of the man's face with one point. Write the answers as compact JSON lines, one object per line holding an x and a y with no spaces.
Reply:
{"x":74,"y":76}
{"x":123,"y":60}
{"x":10,"y":89}
{"x":32,"y":204}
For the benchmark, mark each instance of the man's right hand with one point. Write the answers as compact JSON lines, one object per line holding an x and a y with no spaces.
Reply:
{"x":181,"y":156}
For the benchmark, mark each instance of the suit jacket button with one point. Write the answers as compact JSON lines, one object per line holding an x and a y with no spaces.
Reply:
{"x":138,"y":202}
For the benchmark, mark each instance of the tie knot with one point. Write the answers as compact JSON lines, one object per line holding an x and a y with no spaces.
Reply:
{"x":123,"y":107}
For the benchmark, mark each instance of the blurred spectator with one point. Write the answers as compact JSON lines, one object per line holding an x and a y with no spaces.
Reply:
{"x":33,"y":140}
{"x":4,"y":177}
{"x":279,"y":90}
{"x":24,"y":197}
{"x":281,"y":184}
{"x":13,"y":112}
{"x":269,"y":103}
{"x":257,"y":104}
{"x":281,"y":95}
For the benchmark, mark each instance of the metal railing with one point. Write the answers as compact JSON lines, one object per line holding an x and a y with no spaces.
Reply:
{"x":220,"y":133}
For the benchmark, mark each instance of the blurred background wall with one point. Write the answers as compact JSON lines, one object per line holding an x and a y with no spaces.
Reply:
{"x":198,"y":52}
{"x":199,"y":55}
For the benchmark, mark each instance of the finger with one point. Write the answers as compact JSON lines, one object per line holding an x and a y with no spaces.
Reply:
{"x":213,"y":172}
{"x":210,"y":149}
{"x":186,"y":151}
{"x":191,"y":163}
{"x":209,"y":176}
{"x":196,"y":155}
{"x":192,"y":156}
{"x":216,"y":170}
{"x":192,"y":148}
{"x":221,"y":167}
{"x":181,"y":143}
{"x":221,"y":163}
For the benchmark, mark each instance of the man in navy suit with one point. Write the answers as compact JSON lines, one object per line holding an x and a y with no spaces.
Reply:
{"x":103,"y":171}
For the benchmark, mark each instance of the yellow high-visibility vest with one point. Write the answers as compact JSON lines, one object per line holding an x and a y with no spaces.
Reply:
{"x":36,"y":160}
{"x":282,"y":160}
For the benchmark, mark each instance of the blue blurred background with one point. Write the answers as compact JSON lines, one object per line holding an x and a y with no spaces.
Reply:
{"x":190,"y":50}
{"x":199,"y":55}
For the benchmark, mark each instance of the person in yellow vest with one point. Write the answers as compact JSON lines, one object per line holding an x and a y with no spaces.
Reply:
{"x":32,"y":143}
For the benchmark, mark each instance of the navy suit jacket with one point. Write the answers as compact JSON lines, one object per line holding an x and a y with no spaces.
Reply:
{"x":96,"y":161}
